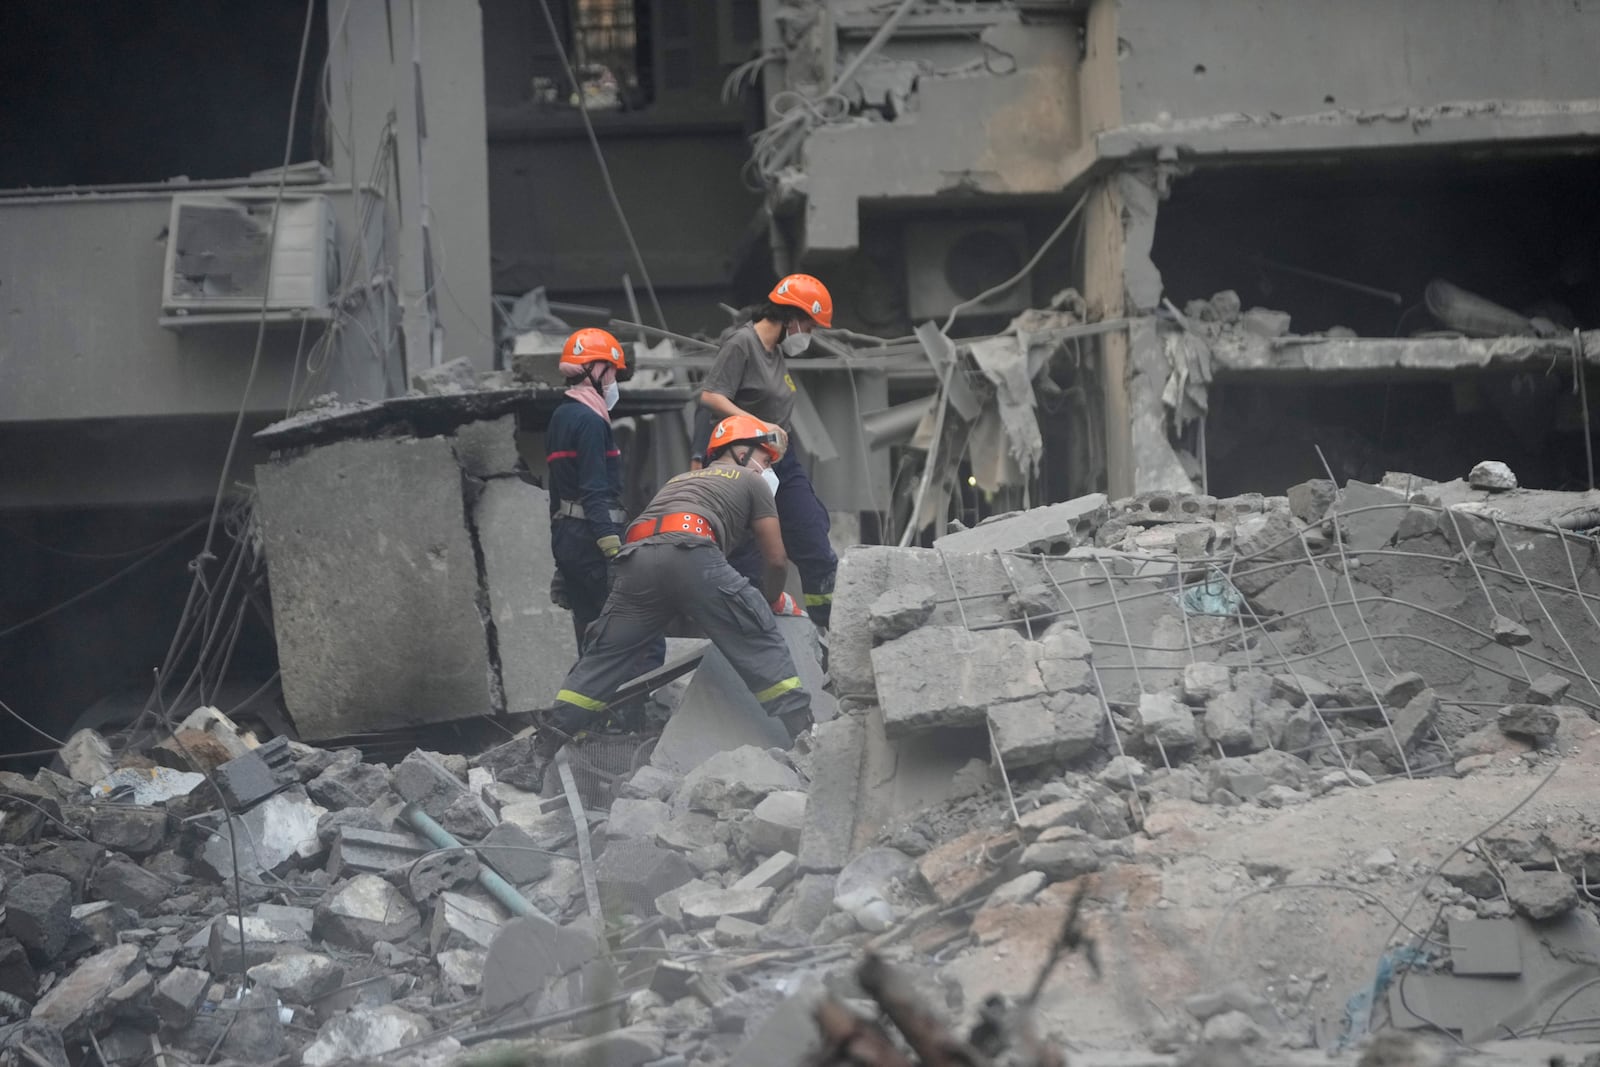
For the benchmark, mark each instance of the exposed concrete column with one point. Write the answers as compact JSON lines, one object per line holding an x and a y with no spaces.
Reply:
{"x":371,"y":79}
{"x":1103,"y":290}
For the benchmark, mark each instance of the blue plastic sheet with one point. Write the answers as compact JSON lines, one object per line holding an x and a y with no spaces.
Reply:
{"x":1214,"y":596}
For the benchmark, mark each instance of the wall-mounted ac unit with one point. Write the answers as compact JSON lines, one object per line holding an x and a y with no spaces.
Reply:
{"x":218,"y":259}
{"x":948,"y":262}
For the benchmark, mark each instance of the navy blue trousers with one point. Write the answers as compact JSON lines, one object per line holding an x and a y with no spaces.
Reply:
{"x":805,"y":538}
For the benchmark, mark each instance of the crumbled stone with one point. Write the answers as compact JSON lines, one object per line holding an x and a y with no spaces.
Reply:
{"x":1163,"y":720}
{"x":899,"y":611}
{"x":511,"y":850}
{"x":178,"y":996}
{"x":464,"y":922}
{"x":950,"y":676}
{"x":462,"y":967}
{"x":705,"y":907}
{"x":438,"y":871}
{"x":1057,"y":726}
{"x":264,"y":940}
{"x":1311,"y":501}
{"x":1204,"y":681}
{"x":774,"y":826}
{"x":774,"y":872}
{"x":364,"y":1033}
{"x":1493,"y":476}
{"x":1229,"y":720}
{"x":638,"y":819}
{"x":127,"y":829}
{"x":1019,"y":890}
{"x":126,"y":883}
{"x":1541,"y":895}
{"x":300,"y":978}
{"x":737,"y":779}
{"x":366,"y":910}
{"x":1547,"y":689}
{"x":632,"y":875}
{"x":467,"y":818}
{"x":347,"y":785}
{"x":74,"y":1002}
{"x":1063,"y":859}
{"x":422,"y":778}
{"x":1534,"y":722}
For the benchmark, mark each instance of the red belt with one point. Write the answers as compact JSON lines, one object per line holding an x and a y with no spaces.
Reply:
{"x":678,"y":522}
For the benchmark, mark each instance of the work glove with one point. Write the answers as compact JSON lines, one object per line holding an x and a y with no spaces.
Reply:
{"x":558,"y":591}
{"x":787,"y":605}
{"x":609,"y":545}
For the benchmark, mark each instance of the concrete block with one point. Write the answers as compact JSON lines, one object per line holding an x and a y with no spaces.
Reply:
{"x":133,"y":831}
{"x":462,"y":967}
{"x":124,"y":882}
{"x":1162,"y":719}
{"x":900,"y":610}
{"x":734,"y":780}
{"x":1541,"y":895}
{"x":826,"y":839}
{"x":730,"y":932}
{"x":178,"y":996}
{"x":488,"y":448}
{"x":38,"y":913}
{"x":279,"y":829}
{"x":535,"y":967}
{"x":423,"y":779}
{"x":249,"y":779}
{"x":366,"y":910}
{"x":707,"y":906}
{"x":73,"y":1004}
{"x":1369,"y":529}
{"x":350,"y":784}
{"x":1547,"y":689}
{"x":464,"y":922}
{"x":302,"y":918}
{"x":633,"y":874}
{"x":1203,"y":680}
{"x":947,"y":676}
{"x":505,"y":848}
{"x":774,"y":872}
{"x":364,"y":1034}
{"x":1058,"y":726}
{"x":638,"y":819}
{"x":1051,"y":530}
{"x":301,"y":978}
{"x":98,"y":925}
{"x":1535,"y":722}
{"x":359,"y":851}
{"x":264,"y":940}
{"x":534,"y":636}
{"x":1310,"y":501}
{"x":1229,"y":720}
{"x":1485,"y":947}
{"x":775,"y":823}
{"x":1062,"y":859}
{"x":368,"y":548}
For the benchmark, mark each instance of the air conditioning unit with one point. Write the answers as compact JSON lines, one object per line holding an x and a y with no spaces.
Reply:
{"x":218,"y":259}
{"x":948,"y":262}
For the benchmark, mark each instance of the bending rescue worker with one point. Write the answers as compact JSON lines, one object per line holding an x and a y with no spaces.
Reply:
{"x":675,"y":561}
{"x":751,"y":379}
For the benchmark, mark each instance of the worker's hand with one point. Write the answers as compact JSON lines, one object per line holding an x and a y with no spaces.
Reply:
{"x":609,"y":545}
{"x":786,"y":605}
{"x":558,"y":591}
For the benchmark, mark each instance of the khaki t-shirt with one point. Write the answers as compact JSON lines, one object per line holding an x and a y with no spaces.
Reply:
{"x":729,"y":497}
{"x":753,"y":378}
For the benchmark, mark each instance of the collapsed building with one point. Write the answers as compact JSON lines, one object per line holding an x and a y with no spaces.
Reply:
{"x":1284,"y":779}
{"x":1168,"y":770}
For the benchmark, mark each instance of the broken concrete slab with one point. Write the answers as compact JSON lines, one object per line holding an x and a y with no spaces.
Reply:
{"x":776,"y":822}
{"x":299,"y":978}
{"x":535,"y":642}
{"x":349,"y":785}
{"x":464,"y":922}
{"x":735,"y":779}
{"x":366,"y":910}
{"x":364,"y":1034}
{"x":638,"y":819}
{"x":534,"y":967}
{"x":462,"y":967}
{"x":948,"y":676}
{"x":507,"y":848}
{"x":1369,"y":515}
{"x":487,"y":448}
{"x":704,"y":908}
{"x":279,"y":829}
{"x":1535,"y":722}
{"x":900,"y":610}
{"x":1229,"y":720}
{"x":135,"y":831}
{"x":73,"y":1003}
{"x":1547,"y":689}
{"x":1052,"y":530}
{"x":632,"y":874}
{"x":826,"y":839}
{"x":368,"y":548}
{"x":1541,"y":895}
{"x":1166,"y":721}
{"x":1045,"y":729}
{"x":264,"y":940}
{"x":774,"y":872}
{"x":359,"y":851}
{"x":424,"y":780}
{"x":124,"y":882}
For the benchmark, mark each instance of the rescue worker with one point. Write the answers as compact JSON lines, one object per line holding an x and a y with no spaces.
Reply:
{"x":675,"y":562}
{"x":586,"y":514}
{"x":751,"y":378}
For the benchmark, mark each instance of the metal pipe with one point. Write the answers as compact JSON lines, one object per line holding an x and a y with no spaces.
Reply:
{"x":890,"y":426}
{"x":498,"y":887}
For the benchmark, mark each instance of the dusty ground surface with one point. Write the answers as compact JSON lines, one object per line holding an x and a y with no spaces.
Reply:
{"x":1212,"y":903}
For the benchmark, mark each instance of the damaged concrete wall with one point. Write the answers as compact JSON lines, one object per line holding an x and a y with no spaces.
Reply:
{"x":410,"y":582}
{"x":1284,"y":58}
{"x":995,"y":129}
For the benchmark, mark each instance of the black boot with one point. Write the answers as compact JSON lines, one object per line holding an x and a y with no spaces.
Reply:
{"x":796,"y":722}
{"x":546,"y":744}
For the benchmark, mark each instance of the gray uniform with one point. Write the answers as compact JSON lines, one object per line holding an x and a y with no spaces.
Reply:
{"x":673,"y":573}
{"x":754,"y":378}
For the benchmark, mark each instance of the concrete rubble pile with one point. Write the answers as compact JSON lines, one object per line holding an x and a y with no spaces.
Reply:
{"x":1167,"y":778}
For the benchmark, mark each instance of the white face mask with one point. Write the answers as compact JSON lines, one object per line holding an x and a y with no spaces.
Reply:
{"x":612,"y":395}
{"x":795,"y":343}
{"x":770,"y":476}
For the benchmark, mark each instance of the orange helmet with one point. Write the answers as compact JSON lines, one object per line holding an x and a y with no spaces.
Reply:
{"x":747,"y":430}
{"x":591,"y":345}
{"x":809,"y":295}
